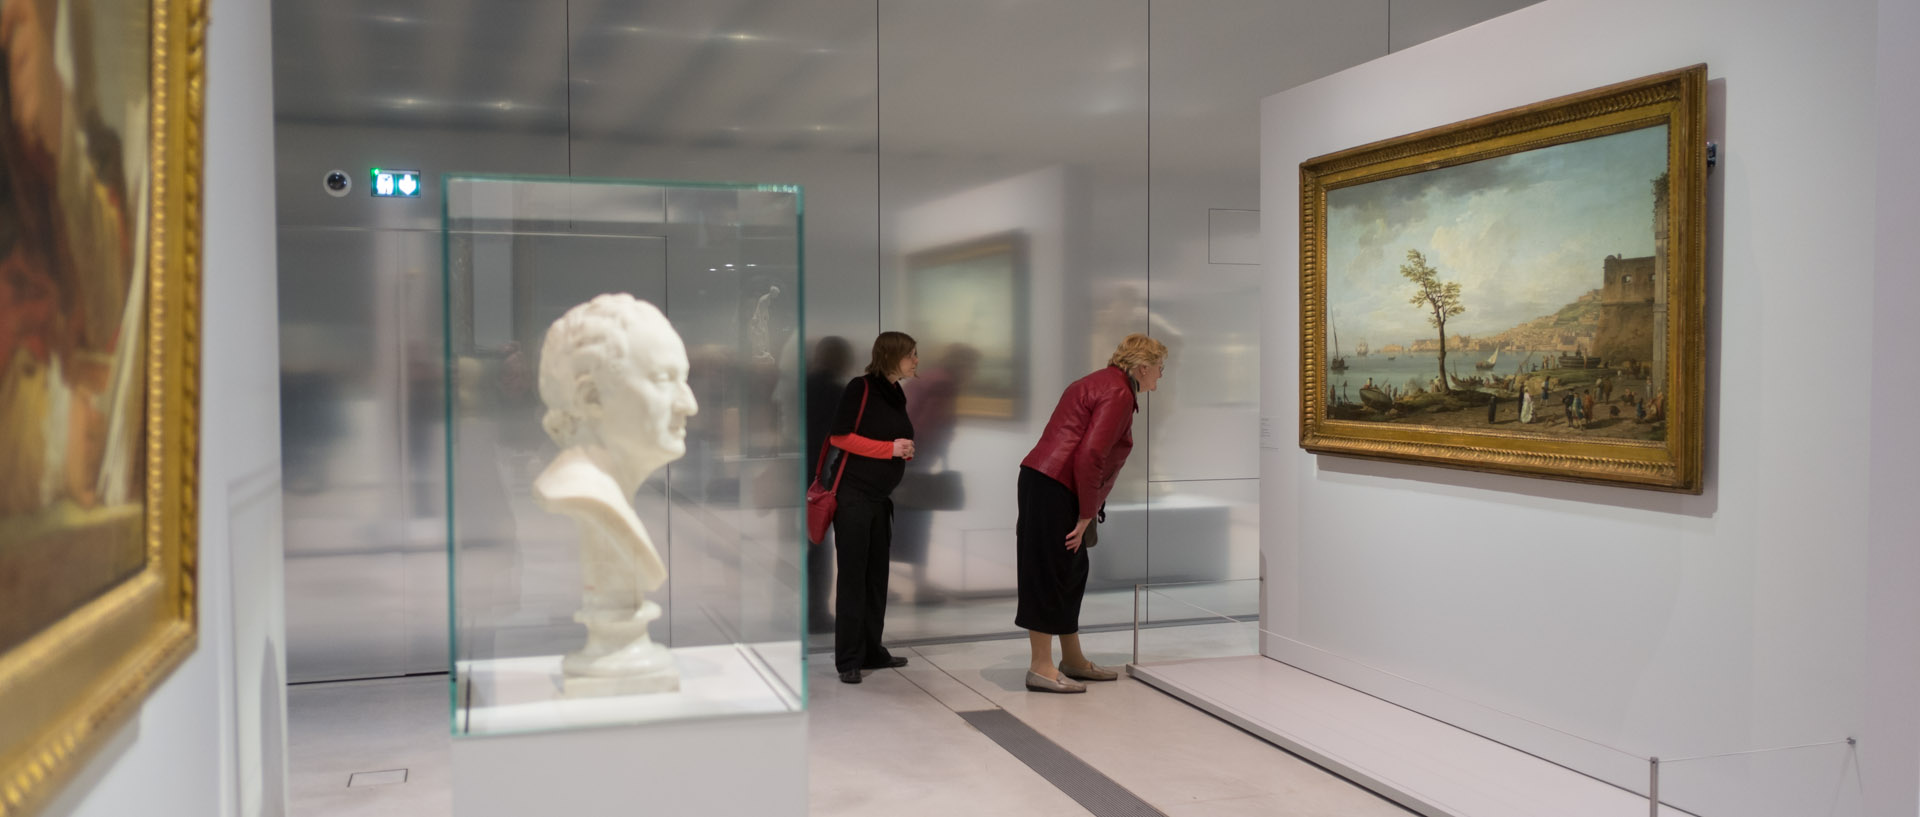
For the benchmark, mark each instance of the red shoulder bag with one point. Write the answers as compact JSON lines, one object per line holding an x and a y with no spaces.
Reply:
{"x":822,"y":501}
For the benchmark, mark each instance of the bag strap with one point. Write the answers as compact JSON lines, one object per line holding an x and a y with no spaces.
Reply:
{"x":856,"y":429}
{"x":821,"y":462}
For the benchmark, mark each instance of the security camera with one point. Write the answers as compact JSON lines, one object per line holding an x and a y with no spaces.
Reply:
{"x":338,"y":183}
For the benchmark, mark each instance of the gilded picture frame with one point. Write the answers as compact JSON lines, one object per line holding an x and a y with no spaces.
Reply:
{"x":100,"y":133}
{"x":1532,"y":283}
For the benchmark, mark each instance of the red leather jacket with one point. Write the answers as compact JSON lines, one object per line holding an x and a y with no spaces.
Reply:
{"x":1089,"y":437}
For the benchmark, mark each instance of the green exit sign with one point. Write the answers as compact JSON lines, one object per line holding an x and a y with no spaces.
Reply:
{"x":388,"y":183}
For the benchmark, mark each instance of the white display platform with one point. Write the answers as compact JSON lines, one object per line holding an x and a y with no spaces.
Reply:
{"x":515,"y":695}
{"x":1421,"y":763}
{"x":732,"y":740}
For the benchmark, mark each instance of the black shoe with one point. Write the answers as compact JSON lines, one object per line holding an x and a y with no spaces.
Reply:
{"x":851,"y":676}
{"x":895,"y":662}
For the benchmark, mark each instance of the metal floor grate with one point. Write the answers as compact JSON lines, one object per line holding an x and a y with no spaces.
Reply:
{"x":1094,"y":791}
{"x":381,"y":778}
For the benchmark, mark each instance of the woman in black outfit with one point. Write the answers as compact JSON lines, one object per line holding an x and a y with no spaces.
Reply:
{"x":872,"y":429}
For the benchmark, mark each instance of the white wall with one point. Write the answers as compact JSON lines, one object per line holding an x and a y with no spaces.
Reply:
{"x":1653,"y":623}
{"x":1890,"y":755}
{"x":209,"y":740}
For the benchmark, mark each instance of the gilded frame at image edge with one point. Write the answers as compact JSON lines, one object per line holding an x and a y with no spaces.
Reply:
{"x":1676,"y":99}
{"x":68,"y":687}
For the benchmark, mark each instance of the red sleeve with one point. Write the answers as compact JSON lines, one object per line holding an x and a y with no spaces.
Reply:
{"x":856,"y":444}
{"x":1111,"y":418}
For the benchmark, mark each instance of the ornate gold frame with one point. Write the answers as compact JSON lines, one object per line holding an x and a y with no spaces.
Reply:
{"x":1677,"y":99}
{"x":63,"y":691}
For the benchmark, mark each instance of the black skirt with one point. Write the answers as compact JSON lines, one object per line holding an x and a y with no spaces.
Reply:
{"x":1053,"y":579}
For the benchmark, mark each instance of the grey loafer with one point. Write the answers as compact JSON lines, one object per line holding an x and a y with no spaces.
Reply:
{"x":1041,"y":683}
{"x":1093,"y":672}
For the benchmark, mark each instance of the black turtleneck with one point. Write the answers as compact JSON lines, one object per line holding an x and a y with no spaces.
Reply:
{"x":885,"y":420}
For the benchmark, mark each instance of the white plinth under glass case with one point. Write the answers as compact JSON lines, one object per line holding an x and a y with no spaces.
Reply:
{"x":624,"y":454}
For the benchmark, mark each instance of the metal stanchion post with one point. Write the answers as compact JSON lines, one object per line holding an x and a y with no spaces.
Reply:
{"x":1653,"y":787}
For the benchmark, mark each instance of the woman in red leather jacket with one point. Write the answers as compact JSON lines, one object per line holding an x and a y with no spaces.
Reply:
{"x":1063,"y":484}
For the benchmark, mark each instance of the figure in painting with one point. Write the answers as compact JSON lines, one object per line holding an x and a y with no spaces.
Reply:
{"x":73,"y":169}
{"x":70,"y":283}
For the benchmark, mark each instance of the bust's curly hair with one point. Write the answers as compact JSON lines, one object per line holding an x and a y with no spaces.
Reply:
{"x":588,"y":339}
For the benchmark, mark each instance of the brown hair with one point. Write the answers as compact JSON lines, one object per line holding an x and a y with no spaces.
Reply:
{"x":1138,"y":350}
{"x":888,"y":350}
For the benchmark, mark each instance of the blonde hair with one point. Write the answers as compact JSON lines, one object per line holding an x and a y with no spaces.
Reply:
{"x":1138,"y":350}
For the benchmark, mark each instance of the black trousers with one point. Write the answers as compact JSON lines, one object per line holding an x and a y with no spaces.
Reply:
{"x":1053,"y":580}
{"x":862,"y":539}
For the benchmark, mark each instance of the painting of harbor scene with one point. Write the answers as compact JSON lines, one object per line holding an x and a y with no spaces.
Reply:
{"x":1520,"y":294}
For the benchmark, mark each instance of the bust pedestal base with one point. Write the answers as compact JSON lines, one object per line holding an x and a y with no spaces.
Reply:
{"x":619,"y":658}
{"x":582,"y":686}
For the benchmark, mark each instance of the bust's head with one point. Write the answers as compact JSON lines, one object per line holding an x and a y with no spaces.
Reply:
{"x":613,"y":373}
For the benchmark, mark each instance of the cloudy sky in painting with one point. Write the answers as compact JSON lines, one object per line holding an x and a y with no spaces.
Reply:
{"x":1523,"y":234}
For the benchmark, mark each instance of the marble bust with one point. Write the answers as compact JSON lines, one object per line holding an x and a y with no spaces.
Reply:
{"x":613,"y":376}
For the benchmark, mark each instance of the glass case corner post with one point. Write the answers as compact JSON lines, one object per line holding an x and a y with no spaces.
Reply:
{"x":451,"y":259}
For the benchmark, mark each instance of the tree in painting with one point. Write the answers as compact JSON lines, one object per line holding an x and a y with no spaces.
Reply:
{"x":1441,"y":299}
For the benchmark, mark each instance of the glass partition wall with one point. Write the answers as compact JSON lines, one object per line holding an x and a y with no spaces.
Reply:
{"x":556,"y":589}
{"x":1036,"y":206}
{"x":1104,"y":155}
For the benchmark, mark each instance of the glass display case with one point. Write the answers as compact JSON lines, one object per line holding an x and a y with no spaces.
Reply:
{"x":624,"y":459}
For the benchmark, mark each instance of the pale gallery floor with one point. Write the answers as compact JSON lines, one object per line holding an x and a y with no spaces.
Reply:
{"x":896,"y":744}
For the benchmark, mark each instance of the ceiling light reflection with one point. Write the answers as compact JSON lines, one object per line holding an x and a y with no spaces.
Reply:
{"x":433,"y":105}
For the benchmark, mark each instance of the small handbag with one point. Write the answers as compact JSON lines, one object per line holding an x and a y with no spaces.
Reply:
{"x":1091,"y":536}
{"x":821,"y":500}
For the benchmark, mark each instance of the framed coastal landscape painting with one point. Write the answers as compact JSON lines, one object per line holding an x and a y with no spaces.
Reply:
{"x":100,"y":118}
{"x":968,"y":302}
{"x":1520,"y":293}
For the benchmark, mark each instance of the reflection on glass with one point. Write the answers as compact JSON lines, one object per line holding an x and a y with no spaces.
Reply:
{"x":828,"y":370}
{"x":970,"y":294}
{"x":1005,"y":205}
{"x":932,"y":483}
{"x":722,"y":263}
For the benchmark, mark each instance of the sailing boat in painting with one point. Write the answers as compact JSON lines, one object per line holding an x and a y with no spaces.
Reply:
{"x":1489,"y":362}
{"x":1337,"y":363}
